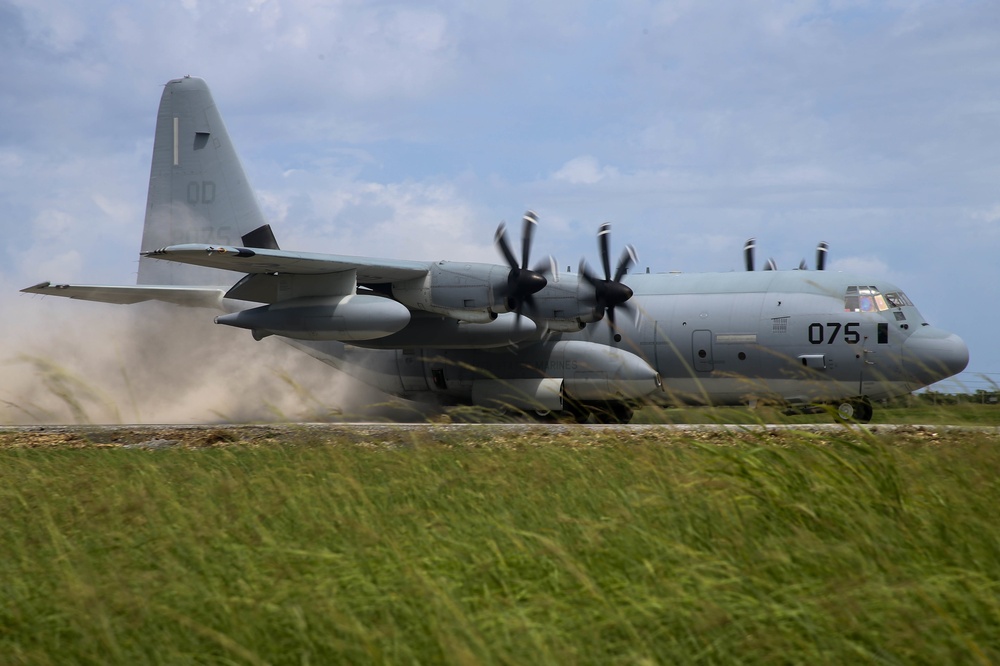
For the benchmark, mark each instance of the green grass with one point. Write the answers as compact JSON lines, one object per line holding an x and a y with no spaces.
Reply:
{"x":917,"y":413}
{"x":591,"y":547}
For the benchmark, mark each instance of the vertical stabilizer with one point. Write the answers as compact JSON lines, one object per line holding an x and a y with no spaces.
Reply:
{"x":198,"y":191}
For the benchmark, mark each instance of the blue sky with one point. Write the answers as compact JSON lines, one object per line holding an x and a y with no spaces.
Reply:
{"x":410,"y":129}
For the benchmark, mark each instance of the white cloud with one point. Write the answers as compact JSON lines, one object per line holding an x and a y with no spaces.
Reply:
{"x":398,"y":220}
{"x":861,"y":265}
{"x":48,"y":26}
{"x":584,"y":170}
{"x":58,"y":264}
{"x":990,"y":215}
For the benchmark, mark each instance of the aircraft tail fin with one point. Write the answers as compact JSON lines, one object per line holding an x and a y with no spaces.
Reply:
{"x":198,"y":189}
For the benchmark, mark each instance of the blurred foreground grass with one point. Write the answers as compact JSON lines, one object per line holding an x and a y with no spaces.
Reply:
{"x":968,"y":413}
{"x":485,"y":547}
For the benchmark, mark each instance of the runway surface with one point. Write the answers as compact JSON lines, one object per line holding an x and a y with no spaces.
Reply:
{"x":409,"y":434}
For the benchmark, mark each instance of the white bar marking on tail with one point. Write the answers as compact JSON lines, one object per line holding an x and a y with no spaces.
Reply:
{"x":176,"y":155}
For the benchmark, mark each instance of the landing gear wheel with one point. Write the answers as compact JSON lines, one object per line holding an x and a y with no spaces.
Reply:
{"x":577,"y":412}
{"x":845,"y":411}
{"x":863,"y":410}
{"x":613,"y":412}
{"x":855,"y":410}
{"x":542,"y":415}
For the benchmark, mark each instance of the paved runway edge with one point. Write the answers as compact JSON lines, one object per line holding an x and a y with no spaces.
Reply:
{"x":408,"y":434}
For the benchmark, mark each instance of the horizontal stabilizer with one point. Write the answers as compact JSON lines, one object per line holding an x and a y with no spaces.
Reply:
{"x":206,"y":297}
{"x":258,"y":260}
{"x":262,"y":237}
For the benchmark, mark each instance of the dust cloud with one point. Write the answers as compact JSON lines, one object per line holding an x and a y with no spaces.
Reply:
{"x":65,"y":361}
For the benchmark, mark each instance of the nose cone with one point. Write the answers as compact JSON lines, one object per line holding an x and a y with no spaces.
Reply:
{"x":931,"y":354}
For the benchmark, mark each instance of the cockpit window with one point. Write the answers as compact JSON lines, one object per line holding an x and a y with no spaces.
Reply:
{"x":870,"y":299}
{"x":897,"y":299}
{"x":851,"y":300}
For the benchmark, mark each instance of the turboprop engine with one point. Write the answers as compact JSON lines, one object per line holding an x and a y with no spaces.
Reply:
{"x":345,"y":318}
{"x":477,"y":293}
{"x":463,"y":291}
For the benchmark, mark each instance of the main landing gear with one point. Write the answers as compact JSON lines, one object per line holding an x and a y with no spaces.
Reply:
{"x":855,"y":410}
{"x":601,"y":412}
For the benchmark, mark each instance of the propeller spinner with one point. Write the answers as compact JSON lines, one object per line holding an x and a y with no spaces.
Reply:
{"x":609,"y":293}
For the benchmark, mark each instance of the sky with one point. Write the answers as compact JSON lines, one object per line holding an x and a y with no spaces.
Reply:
{"x":411,"y":129}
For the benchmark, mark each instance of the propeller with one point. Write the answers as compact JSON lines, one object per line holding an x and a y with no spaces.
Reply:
{"x":748,"y":250}
{"x":609,"y":293}
{"x":821,"y":251}
{"x":751,"y":245}
{"x":522,"y":282}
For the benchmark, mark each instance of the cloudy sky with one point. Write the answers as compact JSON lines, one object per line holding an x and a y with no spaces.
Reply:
{"x":410,"y":129}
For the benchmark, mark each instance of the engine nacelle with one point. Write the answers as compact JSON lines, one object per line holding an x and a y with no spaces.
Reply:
{"x":565,"y":305}
{"x":463,"y":291}
{"x":476,"y":293}
{"x":353,"y":317}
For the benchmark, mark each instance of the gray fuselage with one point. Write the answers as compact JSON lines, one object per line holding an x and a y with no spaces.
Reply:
{"x":714,"y":338}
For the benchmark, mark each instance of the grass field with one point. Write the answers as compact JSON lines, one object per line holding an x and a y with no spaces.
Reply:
{"x":968,"y":413}
{"x":589,"y":546}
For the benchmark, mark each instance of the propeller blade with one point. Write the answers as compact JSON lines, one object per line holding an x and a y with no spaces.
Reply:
{"x":527,"y":233}
{"x":748,"y":251}
{"x":628,"y":259}
{"x":587,"y":274}
{"x":603,"y":243}
{"x":634,"y":311}
{"x":802,"y":265}
{"x":821,"y":251}
{"x":771,"y":266}
{"x":548,"y":267}
{"x":637,"y":321}
{"x":500,"y":239}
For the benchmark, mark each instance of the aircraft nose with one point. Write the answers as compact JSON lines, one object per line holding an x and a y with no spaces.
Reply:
{"x":932,"y":354}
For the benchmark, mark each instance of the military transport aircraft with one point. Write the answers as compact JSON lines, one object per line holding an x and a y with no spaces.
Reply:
{"x":508,"y":335}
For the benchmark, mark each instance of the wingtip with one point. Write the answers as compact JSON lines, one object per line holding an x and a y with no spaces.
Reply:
{"x":36,"y":287}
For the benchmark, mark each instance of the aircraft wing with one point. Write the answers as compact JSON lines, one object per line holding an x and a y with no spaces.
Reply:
{"x":208,"y":297}
{"x":254,"y":260}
